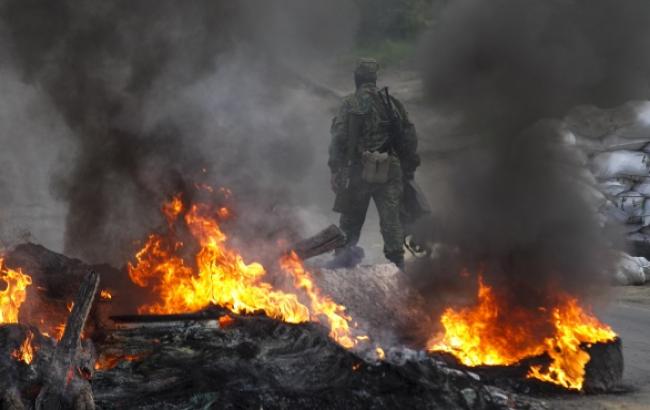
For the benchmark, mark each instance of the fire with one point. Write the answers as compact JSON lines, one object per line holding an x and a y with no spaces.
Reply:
{"x":15,"y":293}
{"x":225,"y":321}
{"x":493,"y":333}
{"x":107,"y":362}
{"x":50,"y":329}
{"x":574,"y":327}
{"x":172,"y":209}
{"x":105,"y":294}
{"x":220,"y":276}
{"x":59,"y":330}
{"x":25,"y":353}
{"x":322,"y":306}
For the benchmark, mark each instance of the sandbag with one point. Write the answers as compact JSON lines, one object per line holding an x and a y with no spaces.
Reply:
{"x":613,"y":214}
{"x":633,"y":205}
{"x":614,"y":164}
{"x":631,"y":270}
{"x":643,"y":187}
{"x":616,"y":186}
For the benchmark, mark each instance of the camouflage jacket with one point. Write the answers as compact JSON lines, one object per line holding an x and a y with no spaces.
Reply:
{"x":374,"y":132}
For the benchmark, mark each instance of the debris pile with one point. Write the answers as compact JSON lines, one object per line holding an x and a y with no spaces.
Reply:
{"x":215,"y":358}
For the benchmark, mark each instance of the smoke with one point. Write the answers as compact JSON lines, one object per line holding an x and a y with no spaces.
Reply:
{"x":517,"y":210}
{"x":158,"y":96}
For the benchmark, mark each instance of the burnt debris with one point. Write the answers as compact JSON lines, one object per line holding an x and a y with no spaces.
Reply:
{"x":225,"y":360}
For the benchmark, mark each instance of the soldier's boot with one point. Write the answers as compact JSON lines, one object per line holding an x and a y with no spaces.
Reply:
{"x":397,"y":259}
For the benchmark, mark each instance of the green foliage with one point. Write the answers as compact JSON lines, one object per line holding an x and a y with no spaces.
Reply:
{"x":391,"y":20}
{"x":387,"y":52}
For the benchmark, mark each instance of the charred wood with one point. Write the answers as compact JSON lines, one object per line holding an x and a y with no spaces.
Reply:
{"x":55,"y":282}
{"x":257,"y":362}
{"x":210,"y":313}
{"x":325,"y":241}
{"x":63,"y":368}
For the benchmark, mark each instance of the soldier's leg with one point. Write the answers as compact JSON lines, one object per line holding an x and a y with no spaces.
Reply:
{"x":353,"y":218}
{"x":388,"y":199}
{"x":351,"y":222}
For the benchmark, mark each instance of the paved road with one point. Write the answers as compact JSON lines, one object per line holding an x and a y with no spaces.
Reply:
{"x":630,"y":317}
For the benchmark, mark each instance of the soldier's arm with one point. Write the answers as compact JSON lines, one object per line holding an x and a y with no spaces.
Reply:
{"x":338,"y":143}
{"x":408,"y":146}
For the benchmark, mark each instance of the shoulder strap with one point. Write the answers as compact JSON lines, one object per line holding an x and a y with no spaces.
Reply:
{"x":395,"y":128}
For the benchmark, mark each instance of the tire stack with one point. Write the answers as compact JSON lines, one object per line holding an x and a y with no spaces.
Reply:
{"x":616,"y":144}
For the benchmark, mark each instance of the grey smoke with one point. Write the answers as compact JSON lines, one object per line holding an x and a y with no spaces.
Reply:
{"x":516,"y":203}
{"x":153,"y":92}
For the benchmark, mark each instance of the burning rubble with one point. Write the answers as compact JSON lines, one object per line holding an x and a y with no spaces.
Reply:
{"x":216,"y":328}
{"x":218,"y":331}
{"x":230,"y":359}
{"x":233,"y":324}
{"x":221,"y":277}
{"x":494,"y":334}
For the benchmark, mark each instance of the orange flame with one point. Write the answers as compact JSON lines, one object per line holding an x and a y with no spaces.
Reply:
{"x":15,"y":293}
{"x":225,"y":321}
{"x":321,"y":305}
{"x":107,"y":362}
{"x":223,"y":278}
{"x":172,"y":209}
{"x":574,"y":327}
{"x":25,"y":353}
{"x":105,"y":294}
{"x":491,"y":333}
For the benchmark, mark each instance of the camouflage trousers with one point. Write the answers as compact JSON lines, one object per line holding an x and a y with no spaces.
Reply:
{"x":387,"y":198}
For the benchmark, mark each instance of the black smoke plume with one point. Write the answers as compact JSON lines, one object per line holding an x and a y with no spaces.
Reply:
{"x":518,"y":205}
{"x":159,"y":95}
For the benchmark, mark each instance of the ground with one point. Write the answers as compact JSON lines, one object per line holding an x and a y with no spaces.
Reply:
{"x":629,"y":315}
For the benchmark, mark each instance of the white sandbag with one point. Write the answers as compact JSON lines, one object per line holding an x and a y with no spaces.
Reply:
{"x":631,"y":270}
{"x":642,"y":187}
{"x":615,"y":186}
{"x":608,"y":165}
{"x":613,"y":213}
{"x":632,"y":204}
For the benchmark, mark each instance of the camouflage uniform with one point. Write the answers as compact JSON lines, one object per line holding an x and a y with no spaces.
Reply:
{"x":366,"y":104}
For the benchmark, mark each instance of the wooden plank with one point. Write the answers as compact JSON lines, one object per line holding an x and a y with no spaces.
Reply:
{"x":324,"y":241}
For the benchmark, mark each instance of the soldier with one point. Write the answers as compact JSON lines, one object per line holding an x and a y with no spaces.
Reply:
{"x":373,"y":151}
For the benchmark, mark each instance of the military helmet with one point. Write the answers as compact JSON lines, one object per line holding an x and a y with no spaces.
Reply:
{"x":367,"y":67}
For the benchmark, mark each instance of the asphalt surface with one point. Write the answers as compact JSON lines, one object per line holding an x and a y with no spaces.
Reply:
{"x":630,"y":318}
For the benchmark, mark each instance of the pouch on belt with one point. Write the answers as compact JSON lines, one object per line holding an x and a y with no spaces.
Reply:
{"x":375,"y":167}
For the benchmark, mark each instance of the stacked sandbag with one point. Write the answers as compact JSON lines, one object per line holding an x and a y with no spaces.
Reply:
{"x":616,"y":145}
{"x":632,"y":270}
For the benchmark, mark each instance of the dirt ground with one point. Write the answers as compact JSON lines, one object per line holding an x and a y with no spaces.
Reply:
{"x":629,"y":315}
